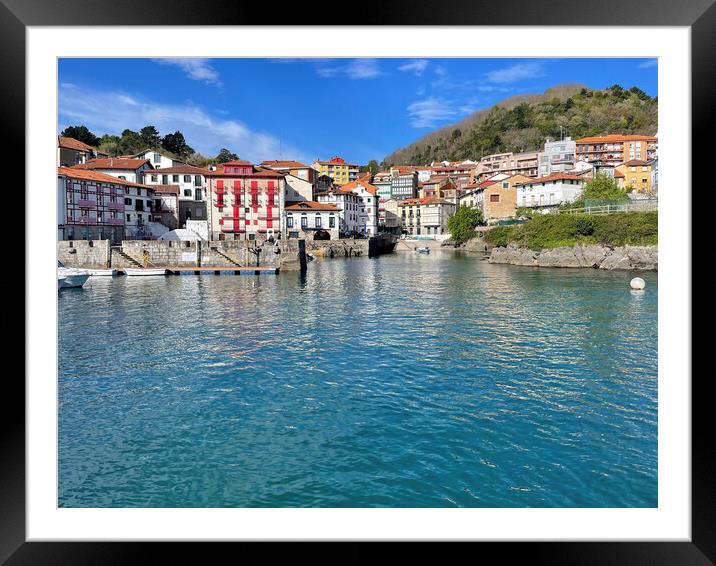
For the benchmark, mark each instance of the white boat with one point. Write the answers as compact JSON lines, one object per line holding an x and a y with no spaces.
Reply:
{"x":144,"y":272}
{"x":102,"y":272}
{"x":68,"y":277}
{"x":423,"y":250}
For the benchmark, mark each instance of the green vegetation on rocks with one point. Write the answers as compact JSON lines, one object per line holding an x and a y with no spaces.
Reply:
{"x":557,"y":230}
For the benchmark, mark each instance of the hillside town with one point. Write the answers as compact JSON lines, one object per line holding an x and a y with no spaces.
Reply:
{"x":150,"y":195}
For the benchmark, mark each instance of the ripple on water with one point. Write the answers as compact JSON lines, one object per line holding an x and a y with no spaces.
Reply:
{"x":404,"y":381}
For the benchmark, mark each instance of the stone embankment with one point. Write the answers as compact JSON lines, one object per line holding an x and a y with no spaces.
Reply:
{"x":636,"y":258}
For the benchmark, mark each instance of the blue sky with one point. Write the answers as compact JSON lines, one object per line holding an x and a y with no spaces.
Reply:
{"x":305,"y":109}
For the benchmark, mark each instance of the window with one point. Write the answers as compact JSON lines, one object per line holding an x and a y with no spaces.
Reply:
{"x":197,"y":194}
{"x":129,"y":217}
{"x":122,"y":177}
{"x":318,"y":221}
{"x":128,"y":201}
{"x":165,"y":179}
{"x":197,"y":180}
{"x":304,"y":221}
{"x":505,"y":185}
{"x":198,"y":212}
{"x":289,"y":222}
{"x":494,"y":198}
{"x":175,"y":178}
{"x":157,"y":158}
{"x":187,"y":192}
{"x":153,"y":178}
{"x":332,"y":222}
{"x":187,"y":178}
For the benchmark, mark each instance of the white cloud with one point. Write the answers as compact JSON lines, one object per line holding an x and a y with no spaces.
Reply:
{"x":416,"y":66}
{"x":649,"y":63}
{"x":515,"y":73}
{"x":356,"y":69}
{"x":196,"y":69}
{"x":112,"y":112}
{"x":430,"y":112}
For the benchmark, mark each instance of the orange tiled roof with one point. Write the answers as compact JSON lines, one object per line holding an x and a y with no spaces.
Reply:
{"x":72,"y":143}
{"x":88,"y":175}
{"x":372,"y":189}
{"x":184,"y":168}
{"x":553,"y":177}
{"x":615,"y":138}
{"x":112,"y":163}
{"x":285,"y":164}
{"x":635,"y":162}
{"x":313,"y":205}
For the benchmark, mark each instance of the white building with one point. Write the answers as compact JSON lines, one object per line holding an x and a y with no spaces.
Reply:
{"x":349,"y":204}
{"x":297,"y":189}
{"x":190,"y":182}
{"x":368,"y":211}
{"x":306,"y":219}
{"x":127,"y":169}
{"x":557,"y":157}
{"x":158,"y":160}
{"x":426,"y":216}
{"x":550,"y":191}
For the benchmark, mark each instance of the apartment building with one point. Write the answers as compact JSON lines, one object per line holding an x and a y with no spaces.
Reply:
{"x":551,"y":191}
{"x":638,"y":175}
{"x":190,"y":184}
{"x":244,"y":202}
{"x":308,"y":219}
{"x":403,"y":184}
{"x":525,"y":163}
{"x":557,"y":157}
{"x":615,"y":149}
{"x":426,"y":216}
{"x":337,"y":169}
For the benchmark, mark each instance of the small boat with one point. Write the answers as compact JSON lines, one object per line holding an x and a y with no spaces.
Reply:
{"x":68,"y":277}
{"x":423,"y":250}
{"x":102,"y":272}
{"x":145,"y":272}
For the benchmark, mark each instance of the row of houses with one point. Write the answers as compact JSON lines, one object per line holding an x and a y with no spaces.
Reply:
{"x":147,"y":195}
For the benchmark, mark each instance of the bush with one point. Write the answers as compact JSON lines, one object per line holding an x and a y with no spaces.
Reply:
{"x":585,"y":226}
{"x":555,"y":230}
{"x":462,"y":224}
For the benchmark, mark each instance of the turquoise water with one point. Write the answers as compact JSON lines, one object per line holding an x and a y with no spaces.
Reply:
{"x":407,"y":380}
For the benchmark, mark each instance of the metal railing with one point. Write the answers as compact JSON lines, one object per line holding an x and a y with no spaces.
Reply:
{"x":645,"y":205}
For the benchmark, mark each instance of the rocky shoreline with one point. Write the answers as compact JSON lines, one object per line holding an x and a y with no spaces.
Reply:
{"x":633,"y":258}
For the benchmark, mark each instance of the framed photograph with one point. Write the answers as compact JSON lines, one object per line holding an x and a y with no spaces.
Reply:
{"x":399,"y":279}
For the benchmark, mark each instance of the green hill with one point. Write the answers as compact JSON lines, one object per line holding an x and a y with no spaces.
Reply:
{"x":521,"y":123}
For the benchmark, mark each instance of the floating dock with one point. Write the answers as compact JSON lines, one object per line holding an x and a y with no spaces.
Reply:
{"x":209,"y":270}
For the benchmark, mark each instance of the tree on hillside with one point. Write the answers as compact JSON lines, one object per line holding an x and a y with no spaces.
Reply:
{"x":176,"y":144}
{"x":150,"y":137}
{"x":372,"y":167}
{"x":462,"y":224}
{"x":109,"y":144}
{"x":81,"y":133}
{"x":225,"y":156}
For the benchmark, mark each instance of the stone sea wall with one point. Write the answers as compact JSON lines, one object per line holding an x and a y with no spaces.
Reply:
{"x":633,"y":258}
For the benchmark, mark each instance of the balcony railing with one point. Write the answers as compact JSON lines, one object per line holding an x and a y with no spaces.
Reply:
{"x":116,"y":206}
{"x":86,"y":203}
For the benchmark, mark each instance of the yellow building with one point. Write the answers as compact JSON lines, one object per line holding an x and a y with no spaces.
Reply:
{"x":337,"y":169}
{"x":637,"y":175}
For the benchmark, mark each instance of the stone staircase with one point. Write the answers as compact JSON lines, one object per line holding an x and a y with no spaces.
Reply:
{"x":125,"y":258}
{"x":221,"y":254}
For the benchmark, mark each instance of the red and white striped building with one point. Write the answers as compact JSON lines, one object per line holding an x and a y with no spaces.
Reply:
{"x":245,"y":202}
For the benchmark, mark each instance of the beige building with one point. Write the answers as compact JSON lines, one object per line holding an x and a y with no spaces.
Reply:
{"x":525,"y":163}
{"x":615,"y":149}
{"x":637,"y":175}
{"x":426,"y":216}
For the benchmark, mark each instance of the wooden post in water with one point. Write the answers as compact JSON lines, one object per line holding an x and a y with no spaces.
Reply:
{"x":302,"y":255}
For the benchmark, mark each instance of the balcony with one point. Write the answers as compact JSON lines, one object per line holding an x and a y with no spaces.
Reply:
{"x":88,"y":220}
{"x":86,"y":203}
{"x":116,"y":206}
{"x":116,"y":221}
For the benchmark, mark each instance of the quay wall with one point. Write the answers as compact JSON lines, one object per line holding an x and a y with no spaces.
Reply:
{"x":216,"y":253}
{"x":632,"y":258}
{"x":92,"y":254}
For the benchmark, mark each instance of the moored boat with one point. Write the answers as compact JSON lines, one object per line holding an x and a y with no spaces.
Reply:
{"x":102,"y":272}
{"x":68,"y":277}
{"x":144,"y":272}
{"x":423,"y":250}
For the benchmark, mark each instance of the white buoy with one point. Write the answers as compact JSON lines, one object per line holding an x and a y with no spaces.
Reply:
{"x":637,"y":283}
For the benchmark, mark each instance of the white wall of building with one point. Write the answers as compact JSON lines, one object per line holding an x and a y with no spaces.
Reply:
{"x":553,"y":193}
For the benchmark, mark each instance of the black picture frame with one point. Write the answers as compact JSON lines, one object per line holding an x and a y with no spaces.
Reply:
{"x":16,"y":15}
